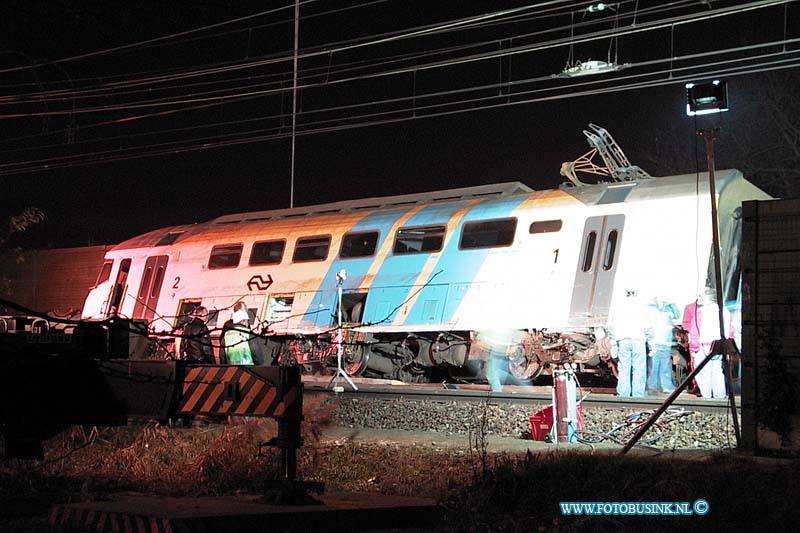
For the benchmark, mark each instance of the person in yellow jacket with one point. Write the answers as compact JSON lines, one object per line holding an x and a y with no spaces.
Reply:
{"x":241,"y":346}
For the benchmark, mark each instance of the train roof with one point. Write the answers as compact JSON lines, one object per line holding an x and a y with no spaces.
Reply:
{"x":590,"y":194}
{"x":463,"y":193}
{"x":644,"y":189}
{"x":158,"y":237}
{"x":599,"y":193}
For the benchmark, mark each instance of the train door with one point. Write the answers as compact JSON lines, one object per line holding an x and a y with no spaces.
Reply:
{"x":597,"y":262}
{"x":150,"y":287}
{"x":120,"y":287}
{"x":353,"y":302}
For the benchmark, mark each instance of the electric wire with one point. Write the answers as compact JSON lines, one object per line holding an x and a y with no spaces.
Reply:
{"x":284,"y":54}
{"x":249,"y":78}
{"x":733,"y":71}
{"x":286,"y":58}
{"x":622,"y":432}
{"x":671,"y":59}
{"x":416,"y":97}
{"x":162,"y":38}
{"x":416,"y":68}
{"x":280,"y":117}
{"x":39,"y":165}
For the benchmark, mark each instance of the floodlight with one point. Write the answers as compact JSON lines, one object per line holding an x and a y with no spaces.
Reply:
{"x":705,"y":98}
{"x":590,"y":67}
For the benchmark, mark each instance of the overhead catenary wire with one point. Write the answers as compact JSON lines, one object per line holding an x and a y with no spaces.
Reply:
{"x":370,"y":119}
{"x":283,"y":57}
{"x":494,"y":54}
{"x":121,"y":155}
{"x":159,"y":39}
{"x":205,"y":143}
{"x":515,"y":84}
{"x":135,"y":78}
{"x":326,"y":48}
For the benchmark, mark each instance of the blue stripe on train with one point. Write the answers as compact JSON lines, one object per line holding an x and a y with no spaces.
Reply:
{"x":356,"y":268}
{"x":457,"y":269}
{"x":393,"y":284}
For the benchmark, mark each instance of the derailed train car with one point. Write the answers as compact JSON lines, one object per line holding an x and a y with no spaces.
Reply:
{"x":436,"y":282}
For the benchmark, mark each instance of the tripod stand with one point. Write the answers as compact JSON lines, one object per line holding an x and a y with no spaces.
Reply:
{"x":334,"y":383}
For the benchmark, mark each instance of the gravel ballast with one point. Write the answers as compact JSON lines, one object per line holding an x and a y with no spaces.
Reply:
{"x":692,"y":430}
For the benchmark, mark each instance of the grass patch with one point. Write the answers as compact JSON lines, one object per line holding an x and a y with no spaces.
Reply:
{"x":480,"y":490}
{"x":523,"y":493}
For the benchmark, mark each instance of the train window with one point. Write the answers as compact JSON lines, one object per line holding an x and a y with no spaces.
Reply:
{"x":148,"y":273}
{"x":157,"y":282}
{"x":588,"y":252}
{"x":352,"y":307}
{"x":267,"y":252}
{"x":488,"y":233}
{"x":169,"y":238}
{"x":119,"y":285}
{"x":225,"y":256}
{"x":185,"y":308}
{"x":545,"y":226}
{"x":311,"y":249}
{"x":611,"y":248}
{"x":279,"y":308}
{"x":360,"y":244}
{"x":419,"y":240}
{"x":105,"y":273}
{"x":184,"y":316}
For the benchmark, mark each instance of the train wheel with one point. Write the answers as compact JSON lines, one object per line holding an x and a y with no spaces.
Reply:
{"x":355,"y":362}
{"x":524,"y":369}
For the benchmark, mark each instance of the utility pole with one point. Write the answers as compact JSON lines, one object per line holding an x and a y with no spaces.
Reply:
{"x":294,"y":96}
{"x":724,"y":346}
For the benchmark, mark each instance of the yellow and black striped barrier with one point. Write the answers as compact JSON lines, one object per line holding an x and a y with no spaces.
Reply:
{"x":274,"y":392}
{"x":71,"y":518}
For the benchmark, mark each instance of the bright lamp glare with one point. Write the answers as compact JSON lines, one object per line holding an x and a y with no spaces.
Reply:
{"x":706,"y":98}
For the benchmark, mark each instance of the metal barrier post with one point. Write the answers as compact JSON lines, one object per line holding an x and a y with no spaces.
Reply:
{"x":289,"y":490}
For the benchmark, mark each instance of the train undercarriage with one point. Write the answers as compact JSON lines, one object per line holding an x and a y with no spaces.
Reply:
{"x":458,"y":356}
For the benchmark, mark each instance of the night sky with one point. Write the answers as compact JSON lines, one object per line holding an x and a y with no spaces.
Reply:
{"x":112,"y":107}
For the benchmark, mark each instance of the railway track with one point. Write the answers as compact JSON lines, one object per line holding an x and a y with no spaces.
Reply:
{"x":599,"y":397}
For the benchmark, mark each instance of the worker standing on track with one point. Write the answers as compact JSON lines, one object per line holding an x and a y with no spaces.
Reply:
{"x":223,"y":358}
{"x":241,"y":346}
{"x":659,"y":351}
{"x":630,"y":330}
{"x":196,"y":342}
{"x":711,"y":379}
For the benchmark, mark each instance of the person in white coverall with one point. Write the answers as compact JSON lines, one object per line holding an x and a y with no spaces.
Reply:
{"x":630,"y":329}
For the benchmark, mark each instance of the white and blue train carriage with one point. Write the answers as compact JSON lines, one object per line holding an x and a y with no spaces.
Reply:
{"x":439,"y":280}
